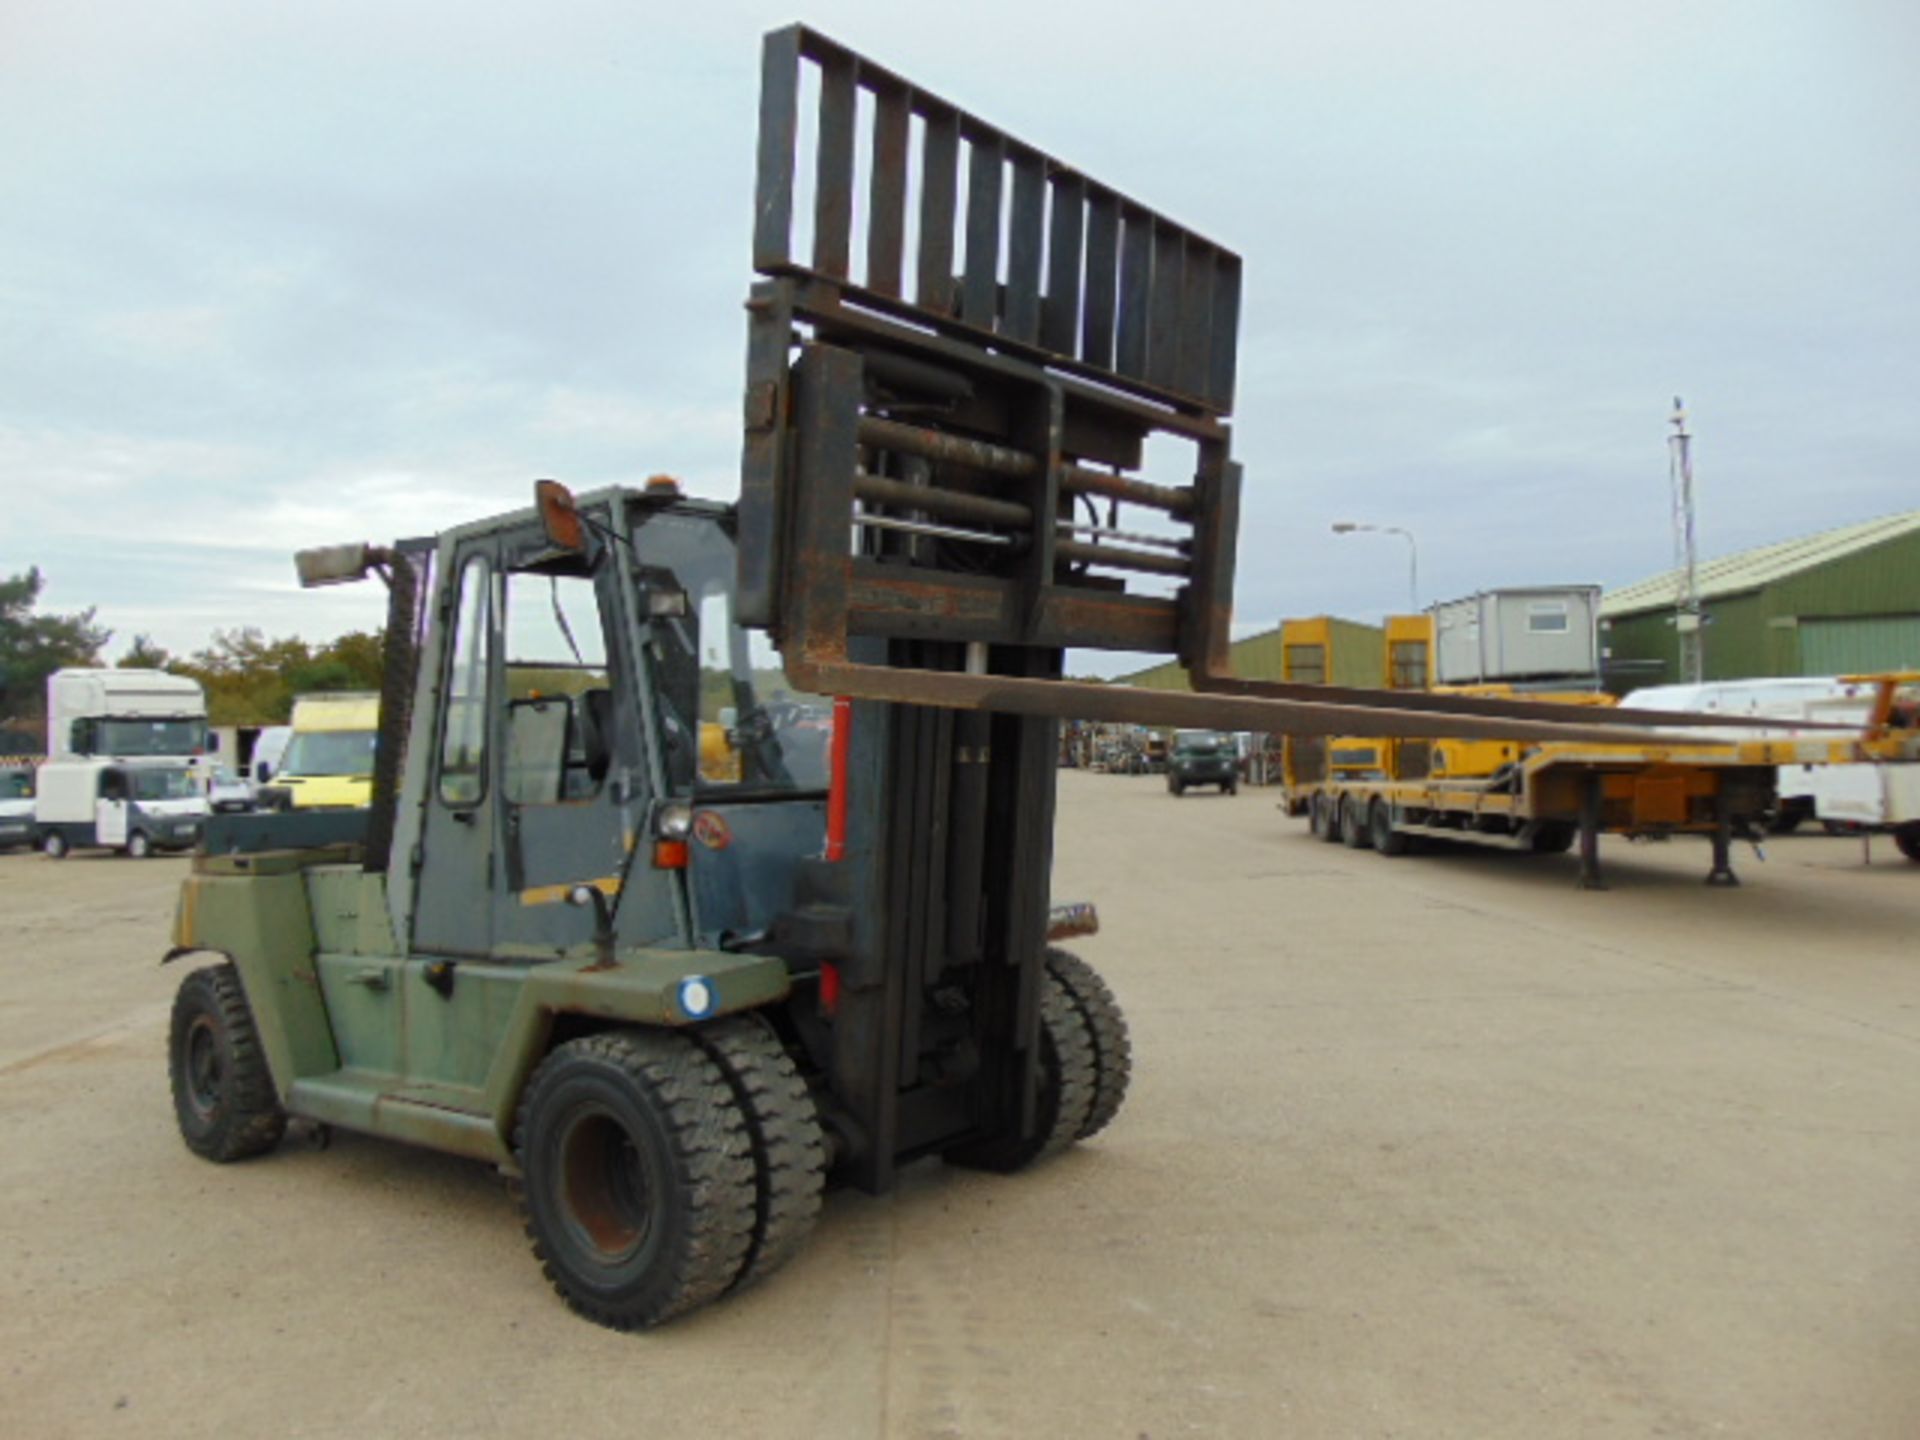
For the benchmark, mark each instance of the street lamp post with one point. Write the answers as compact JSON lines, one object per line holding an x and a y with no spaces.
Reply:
{"x":1348,"y":527}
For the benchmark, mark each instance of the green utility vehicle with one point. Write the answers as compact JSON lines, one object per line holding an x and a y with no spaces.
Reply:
{"x":1203,"y":757}
{"x":626,"y":917}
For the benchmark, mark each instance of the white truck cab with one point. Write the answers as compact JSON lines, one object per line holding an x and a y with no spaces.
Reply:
{"x":129,"y":806}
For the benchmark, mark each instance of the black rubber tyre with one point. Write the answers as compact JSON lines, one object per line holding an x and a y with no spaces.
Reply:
{"x":1353,"y":824}
{"x":1106,"y":1030}
{"x":1317,"y":816}
{"x":1174,"y":787}
{"x":783,"y":1129}
{"x":1327,"y":818}
{"x":139,"y":847}
{"x":1552,"y":837}
{"x":223,"y":1093}
{"x":1907,"y":837}
{"x":1066,"y":1090}
{"x":53,"y":845}
{"x":637,"y":1183}
{"x":1386,"y":839}
{"x":1232,"y":787}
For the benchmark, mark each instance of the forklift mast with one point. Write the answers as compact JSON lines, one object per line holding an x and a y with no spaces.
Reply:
{"x":959,"y":352}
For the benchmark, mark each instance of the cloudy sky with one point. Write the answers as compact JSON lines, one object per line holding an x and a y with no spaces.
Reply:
{"x":276,"y":275}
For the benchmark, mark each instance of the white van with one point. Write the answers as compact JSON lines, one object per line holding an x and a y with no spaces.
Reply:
{"x":116,"y":805}
{"x":16,"y":806}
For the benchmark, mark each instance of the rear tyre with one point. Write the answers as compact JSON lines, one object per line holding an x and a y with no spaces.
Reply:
{"x":139,"y":847}
{"x":1386,"y":839}
{"x":1353,"y":824}
{"x":1554,"y":838}
{"x":223,"y":1093}
{"x":1174,"y":787}
{"x":1106,"y":1029}
{"x":637,"y":1176}
{"x":783,"y":1129}
{"x":1066,"y":1097}
{"x":1907,"y":837}
{"x":53,"y":845}
{"x":1328,"y":811}
{"x":1232,"y":787}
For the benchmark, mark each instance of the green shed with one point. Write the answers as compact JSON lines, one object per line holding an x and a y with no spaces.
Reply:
{"x":1359,"y":658}
{"x":1838,"y":602}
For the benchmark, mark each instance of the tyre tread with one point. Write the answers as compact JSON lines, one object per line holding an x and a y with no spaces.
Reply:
{"x":783,"y":1128}
{"x":1107,"y":1032}
{"x":708,"y":1134}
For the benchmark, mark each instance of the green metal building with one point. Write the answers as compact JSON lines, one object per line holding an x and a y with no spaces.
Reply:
{"x":1835,"y":603}
{"x":1358,"y":651}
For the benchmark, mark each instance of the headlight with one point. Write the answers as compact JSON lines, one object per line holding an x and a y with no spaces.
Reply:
{"x":673,"y":821}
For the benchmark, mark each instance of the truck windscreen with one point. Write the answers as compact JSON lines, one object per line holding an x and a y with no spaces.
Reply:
{"x":150,"y":737}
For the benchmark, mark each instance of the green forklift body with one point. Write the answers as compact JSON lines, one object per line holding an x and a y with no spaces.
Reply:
{"x":427,"y":1049}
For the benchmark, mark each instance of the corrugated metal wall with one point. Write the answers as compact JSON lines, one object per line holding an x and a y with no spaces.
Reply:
{"x":1872,"y":642}
{"x":1843,"y":616}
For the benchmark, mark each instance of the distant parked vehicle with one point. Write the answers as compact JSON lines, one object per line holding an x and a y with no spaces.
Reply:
{"x":116,"y":805}
{"x":269,"y":748}
{"x":228,"y":793}
{"x":329,"y":762}
{"x":16,"y":806}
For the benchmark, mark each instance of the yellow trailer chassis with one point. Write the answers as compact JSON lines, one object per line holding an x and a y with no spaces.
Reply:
{"x":1557,"y":794}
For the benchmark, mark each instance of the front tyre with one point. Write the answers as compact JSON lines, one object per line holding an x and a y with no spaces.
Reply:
{"x":1067,"y":1090}
{"x":54,"y":845}
{"x":783,"y":1129}
{"x":1106,"y":1030}
{"x":139,"y":847}
{"x":223,"y":1094}
{"x":637,"y":1176}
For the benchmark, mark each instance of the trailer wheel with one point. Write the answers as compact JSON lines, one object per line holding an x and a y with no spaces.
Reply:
{"x":1907,"y":837}
{"x":637,"y":1176}
{"x":1326,"y":823}
{"x":223,"y":1093}
{"x":1554,"y":837}
{"x":53,"y":845}
{"x":1067,"y":1084}
{"x":783,"y":1128}
{"x":139,"y":847}
{"x":1353,"y":824}
{"x":1106,"y":1028}
{"x":1386,"y":839}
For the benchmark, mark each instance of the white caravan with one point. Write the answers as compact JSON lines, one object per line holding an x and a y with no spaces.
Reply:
{"x":136,"y":807}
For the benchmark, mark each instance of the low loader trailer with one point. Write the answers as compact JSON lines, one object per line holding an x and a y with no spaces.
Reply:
{"x":1397,"y":794}
{"x":623,"y":919}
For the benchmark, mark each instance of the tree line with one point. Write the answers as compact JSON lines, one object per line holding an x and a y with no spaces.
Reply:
{"x":249,"y":678}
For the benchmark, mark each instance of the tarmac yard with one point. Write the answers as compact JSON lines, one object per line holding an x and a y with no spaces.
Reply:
{"x":1427,"y":1146}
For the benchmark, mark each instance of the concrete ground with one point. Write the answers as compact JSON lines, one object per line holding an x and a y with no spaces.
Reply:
{"x":1428,"y":1146}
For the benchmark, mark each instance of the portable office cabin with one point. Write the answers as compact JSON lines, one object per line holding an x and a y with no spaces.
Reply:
{"x":1519,"y":636}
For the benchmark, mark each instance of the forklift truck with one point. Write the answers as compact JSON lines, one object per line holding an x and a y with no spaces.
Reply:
{"x":641,"y":917}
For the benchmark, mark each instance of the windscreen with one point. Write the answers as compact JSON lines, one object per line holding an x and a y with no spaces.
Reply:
{"x":161,"y":784}
{"x":16,"y":784}
{"x":330,"y":752}
{"x":733,"y":723}
{"x":151,"y":737}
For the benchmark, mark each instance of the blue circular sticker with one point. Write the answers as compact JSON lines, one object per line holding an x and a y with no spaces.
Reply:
{"x":697,"y":997}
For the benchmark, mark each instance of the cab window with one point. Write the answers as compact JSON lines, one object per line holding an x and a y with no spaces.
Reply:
{"x":463,"y":739}
{"x":559,"y":697}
